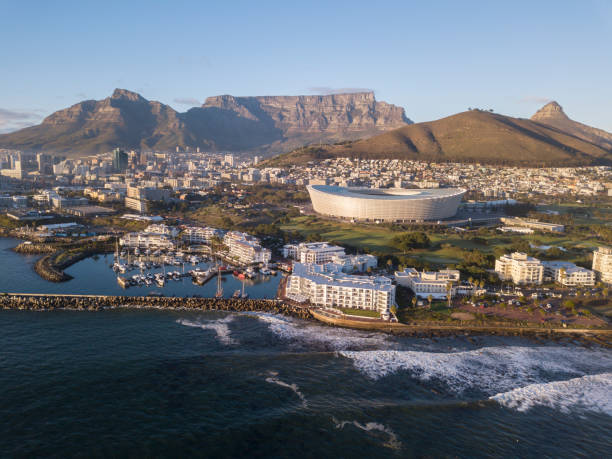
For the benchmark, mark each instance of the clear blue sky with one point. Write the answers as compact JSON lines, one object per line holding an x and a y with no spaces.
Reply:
{"x":434,"y":58}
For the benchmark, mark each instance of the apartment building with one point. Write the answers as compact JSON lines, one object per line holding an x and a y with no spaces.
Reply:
{"x":313,"y":252}
{"x":146,"y":241}
{"x":160,"y":228}
{"x":200,"y":234}
{"x":602,"y":264}
{"x":568,"y":274}
{"x":427,"y":283}
{"x":246,"y":248}
{"x":325,"y":285}
{"x":520,"y":268}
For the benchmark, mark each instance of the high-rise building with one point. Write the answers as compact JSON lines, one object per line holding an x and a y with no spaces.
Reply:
{"x":229,"y":160}
{"x":120,"y":160}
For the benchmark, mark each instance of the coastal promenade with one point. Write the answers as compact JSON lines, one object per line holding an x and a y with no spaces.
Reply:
{"x":602,"y":336}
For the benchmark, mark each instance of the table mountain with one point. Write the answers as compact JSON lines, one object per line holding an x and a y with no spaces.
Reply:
{"x":258,"y":124}
{"x":472,"y":136}
{"x":552,"y":114}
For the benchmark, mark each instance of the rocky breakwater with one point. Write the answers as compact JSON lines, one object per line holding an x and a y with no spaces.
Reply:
{"x":37,"y":302}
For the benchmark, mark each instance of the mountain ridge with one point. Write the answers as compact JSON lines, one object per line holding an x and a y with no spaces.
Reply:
{"x":258,"y":124}
{"x":474,"y":136}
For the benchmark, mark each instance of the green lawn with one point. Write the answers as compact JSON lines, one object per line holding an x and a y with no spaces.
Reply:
{"x":360,"y":312}
{"x":354,"y":234}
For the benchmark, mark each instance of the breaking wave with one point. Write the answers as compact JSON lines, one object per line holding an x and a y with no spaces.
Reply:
{"x":219,"y":326}
{"x":591,"y":392}
{"x":334,"y":339}
{"x":490,"y":369}
{"x":273,"y":379}
{"x":392,"y":440}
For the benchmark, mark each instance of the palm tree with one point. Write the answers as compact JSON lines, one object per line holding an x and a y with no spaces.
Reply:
{"x":562,"y":274}
{"x":414,"y":301}
{"x":449,"y":291}
{"x":429,"y":299}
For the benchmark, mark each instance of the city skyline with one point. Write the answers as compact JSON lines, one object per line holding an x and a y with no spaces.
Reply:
{"x":433,"y":61}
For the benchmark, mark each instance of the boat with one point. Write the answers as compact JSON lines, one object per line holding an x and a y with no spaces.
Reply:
{"x":123,"y":282}
{"x":241,"y":276}
{"x":243,"y":294}
{"x":236,"y":294}
{"x":250,"y":272}
{"x":160,"y":280}
{"x":219,"y":293}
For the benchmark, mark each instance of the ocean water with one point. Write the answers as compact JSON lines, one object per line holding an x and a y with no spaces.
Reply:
{"x":95,"y":276}
{"x":182,"y":383}
{"x":131,"y":383}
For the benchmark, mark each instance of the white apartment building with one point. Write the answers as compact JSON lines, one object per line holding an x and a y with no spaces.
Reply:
{"x":355,"y":263}
{"x":568,"y":274}
{"x":160,"y":228}
{"x":324,"y":285}
{"x":200,"y":234}
{"x":602,"y":264}
{"x":313,"y":252}
{"x":520,"y":268}
{"x":427,"y":283}
{"x":246,"y":248}
{"x":146,"y":241}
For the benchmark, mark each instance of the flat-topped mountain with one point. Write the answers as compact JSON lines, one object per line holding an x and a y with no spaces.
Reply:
{"x":552,"y":114}
{"x":472,"y":136}
{"x":259,"y":124}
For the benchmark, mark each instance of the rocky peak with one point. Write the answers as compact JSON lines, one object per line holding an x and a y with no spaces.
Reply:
{"x":124,"y":94}
{"x":551,"y":110}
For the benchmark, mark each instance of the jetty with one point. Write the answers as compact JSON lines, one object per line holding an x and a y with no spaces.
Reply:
{"x":47,"y":301}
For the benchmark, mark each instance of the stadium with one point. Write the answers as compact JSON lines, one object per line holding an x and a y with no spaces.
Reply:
{"x":382,"y":204}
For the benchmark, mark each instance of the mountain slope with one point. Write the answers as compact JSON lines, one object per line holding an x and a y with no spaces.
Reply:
{"x":125,"y":119}
{"x":474,"y":136}
{"x":552,"y":114}
{"x":259,"y":124}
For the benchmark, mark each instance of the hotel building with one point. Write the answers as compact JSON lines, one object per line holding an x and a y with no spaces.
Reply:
{"x":245,"y":248}
{"x":427,"y":283}
{"x":568,"y":274}
{"x":520,"y":268}
{"x":325,"y":285}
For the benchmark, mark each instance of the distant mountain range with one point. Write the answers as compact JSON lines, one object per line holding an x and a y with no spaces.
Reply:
{"x":269,"y":124}
{"x":550,"y":138}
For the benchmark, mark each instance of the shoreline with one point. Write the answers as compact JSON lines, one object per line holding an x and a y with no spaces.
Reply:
{"x":51,"y":302}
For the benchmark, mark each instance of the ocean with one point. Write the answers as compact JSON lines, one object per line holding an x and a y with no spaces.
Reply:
{"x":131,"y":383}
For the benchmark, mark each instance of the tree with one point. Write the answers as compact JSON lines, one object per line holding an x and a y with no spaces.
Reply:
{"x":429,"y":299}
{"x":605,"y":292}
{"x":389,"y":264}
{"x":482,"y":283}
{"x":414,"y":301}
{"x":449,"y":292}
{"x":393,"y":310}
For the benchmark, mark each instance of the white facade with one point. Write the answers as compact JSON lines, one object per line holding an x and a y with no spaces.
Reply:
{"x":427,"y":283}
{"x":520,"y":268}
{"x":160,"y":228}
{"x":393,"y":204}
{"x":146,"y":241}
{"x":245,"y":248}
{"x":355,"y":263}
{"x":602,"y":264}
{"x":313,"y":252}
{"x":200,"y":234}
{"x":568,"y":274}
{"x":324,"y":286}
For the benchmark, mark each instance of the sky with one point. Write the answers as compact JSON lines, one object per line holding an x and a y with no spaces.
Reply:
{"x":434,"y":58}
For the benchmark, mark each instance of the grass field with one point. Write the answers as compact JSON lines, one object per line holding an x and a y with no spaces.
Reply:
{"x":445,"y":248}
{"x":360,"y":312}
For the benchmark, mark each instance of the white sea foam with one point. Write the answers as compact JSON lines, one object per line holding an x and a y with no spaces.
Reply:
{"x":219,"y":326}
{"x":489,"y":369}
{"x":591,"y":392}
{"x":273,"y":379}
{"x":332,"y":338}
{"x":392,"y":439}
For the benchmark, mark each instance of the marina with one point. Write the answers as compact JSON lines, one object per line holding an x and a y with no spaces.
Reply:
{"x":144,"y":274}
